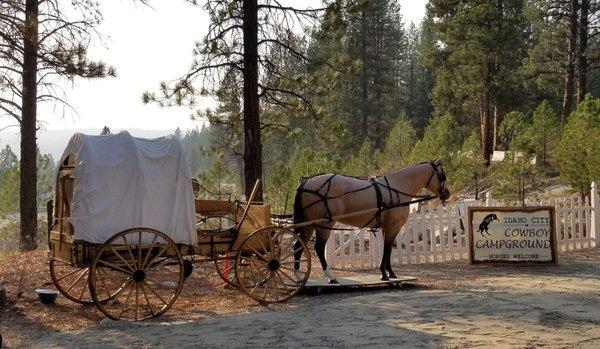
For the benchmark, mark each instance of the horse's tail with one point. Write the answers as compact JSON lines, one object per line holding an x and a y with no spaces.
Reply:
{"x":298,"y":209}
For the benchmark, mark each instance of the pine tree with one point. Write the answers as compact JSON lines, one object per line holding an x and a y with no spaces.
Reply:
{"x":398,"y":145}
{"x":377,"y":41}
{"x":481,"y":45}
{"x":546,"y":132}
{"x":579,"y":146}
{"x":39,"y":41}
{"x":240,"y":33}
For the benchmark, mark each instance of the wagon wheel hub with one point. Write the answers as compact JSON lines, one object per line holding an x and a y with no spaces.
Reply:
{"x":273,"y":265}
{"x":139,"y":275}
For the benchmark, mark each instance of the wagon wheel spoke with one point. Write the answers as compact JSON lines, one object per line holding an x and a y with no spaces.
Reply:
{"x":268,"y":278}
{"x":156,"y":294}
{"x":285,"y":245}
{"x":102,"y":280}
{"x":118,"y":293}
{"x":294,"y":261}
{"x":137,"y":300}
{"x":110,"y":265}
{"x":67,"y":275}
{"x":280,"y":285}
{"x":126,"y":302}
{"x":135,"y":267}
{"x":160,"y":264}
{"x":288,"y":277}
{"x":147,"y":300}
{"x":132,"y":268}
{"x":251,"y":248}
{"x":87,"y":279}
{"x":149,"y":252}
{"x":258,"y":267}
{"x":260,"y":241}
{"x":77,"y":280}
{"x":161,"y":252}
{"x":291,"y":254}
{"x":139,"y":247}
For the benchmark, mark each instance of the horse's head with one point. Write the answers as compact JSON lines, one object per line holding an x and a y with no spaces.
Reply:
{"x":437,"y":181}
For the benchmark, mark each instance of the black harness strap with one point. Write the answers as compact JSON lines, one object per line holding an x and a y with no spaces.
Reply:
{"x":322,"y":197}
{"x":380,"y":205}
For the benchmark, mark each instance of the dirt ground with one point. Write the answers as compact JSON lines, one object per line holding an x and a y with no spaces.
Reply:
{"x":451,"y":305}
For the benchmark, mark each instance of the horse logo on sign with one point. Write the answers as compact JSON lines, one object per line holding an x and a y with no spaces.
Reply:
{"x":485,"y":223}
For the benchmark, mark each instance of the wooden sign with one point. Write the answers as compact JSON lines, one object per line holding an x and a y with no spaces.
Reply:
{"x":519,"y":235}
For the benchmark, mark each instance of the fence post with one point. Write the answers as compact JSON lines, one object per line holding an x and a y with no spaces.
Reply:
{"x":488,"y":198}
{"x":595,"y":216}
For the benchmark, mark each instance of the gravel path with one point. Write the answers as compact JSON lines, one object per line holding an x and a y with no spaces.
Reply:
{"x":502,"y":307}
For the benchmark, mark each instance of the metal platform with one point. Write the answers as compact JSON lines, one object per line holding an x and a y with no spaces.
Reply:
{"x":358,"y":281}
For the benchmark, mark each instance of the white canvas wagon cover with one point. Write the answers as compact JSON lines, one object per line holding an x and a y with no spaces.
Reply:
{"x":124,"y":182}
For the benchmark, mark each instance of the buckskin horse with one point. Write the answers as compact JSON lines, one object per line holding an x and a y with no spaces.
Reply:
{"x":379,"y":202}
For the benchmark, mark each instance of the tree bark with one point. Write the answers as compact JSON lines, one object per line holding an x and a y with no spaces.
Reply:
{"x":485,"y":118}
{"x":582,"y":52}
{"x":252,"y":142}
{"x":364,"y":81}
{"x":28,"y":166}
{"x":570,"y":73}
{"x":497,"y":122}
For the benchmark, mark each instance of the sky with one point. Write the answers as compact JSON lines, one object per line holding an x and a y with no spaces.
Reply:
{"x":146,"y":46}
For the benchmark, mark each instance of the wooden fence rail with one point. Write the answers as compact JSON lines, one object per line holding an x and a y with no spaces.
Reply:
{"x":438,"y":234}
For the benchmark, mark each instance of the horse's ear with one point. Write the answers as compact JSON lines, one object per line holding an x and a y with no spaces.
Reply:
{"x":436,"y":162}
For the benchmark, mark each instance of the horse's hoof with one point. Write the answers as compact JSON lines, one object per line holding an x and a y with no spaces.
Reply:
{"x":393,"y":276}
{"x":385,"y":278}
{"x":333,"y":281}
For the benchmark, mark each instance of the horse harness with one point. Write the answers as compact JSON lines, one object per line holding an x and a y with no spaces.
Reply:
{"x":323,"y":197}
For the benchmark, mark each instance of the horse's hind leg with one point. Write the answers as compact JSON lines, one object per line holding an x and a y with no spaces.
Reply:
{"x":304,"y":234}
{"x":385,"y":260}
{"x":322,"y":235}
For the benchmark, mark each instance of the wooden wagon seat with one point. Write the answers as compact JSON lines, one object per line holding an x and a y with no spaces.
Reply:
{"x":259,"y":216}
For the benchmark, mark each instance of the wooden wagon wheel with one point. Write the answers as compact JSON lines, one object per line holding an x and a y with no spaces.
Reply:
{"x":225,"y":266}
{"x":72,"y":282}
{"x":265,"y":265}
{"x":143,"y":269}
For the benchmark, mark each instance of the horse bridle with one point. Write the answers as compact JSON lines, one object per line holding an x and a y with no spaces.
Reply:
{"x":439,"y":171}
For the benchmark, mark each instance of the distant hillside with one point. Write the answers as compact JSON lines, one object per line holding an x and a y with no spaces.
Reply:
{"x":54,"y":141}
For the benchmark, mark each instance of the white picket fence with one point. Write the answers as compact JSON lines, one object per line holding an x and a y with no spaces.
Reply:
{"x":438,"y":234}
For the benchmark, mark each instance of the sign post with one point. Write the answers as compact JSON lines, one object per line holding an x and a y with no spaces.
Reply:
{"x":512,"y":235}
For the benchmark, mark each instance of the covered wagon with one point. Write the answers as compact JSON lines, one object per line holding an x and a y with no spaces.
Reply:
{"x":126,"y":228}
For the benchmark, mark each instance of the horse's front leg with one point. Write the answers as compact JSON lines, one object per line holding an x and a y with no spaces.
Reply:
{"x":321,"y":240}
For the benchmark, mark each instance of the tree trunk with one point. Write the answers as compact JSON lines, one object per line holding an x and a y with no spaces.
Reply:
{"x":28,"y":167}
{"x":252,"y":143}
{"x":364,"y":81}
{"x":497,"y":122}
{"x":570,"y":73}
{"x":485,"y":118}
{"x":583,"y":43}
